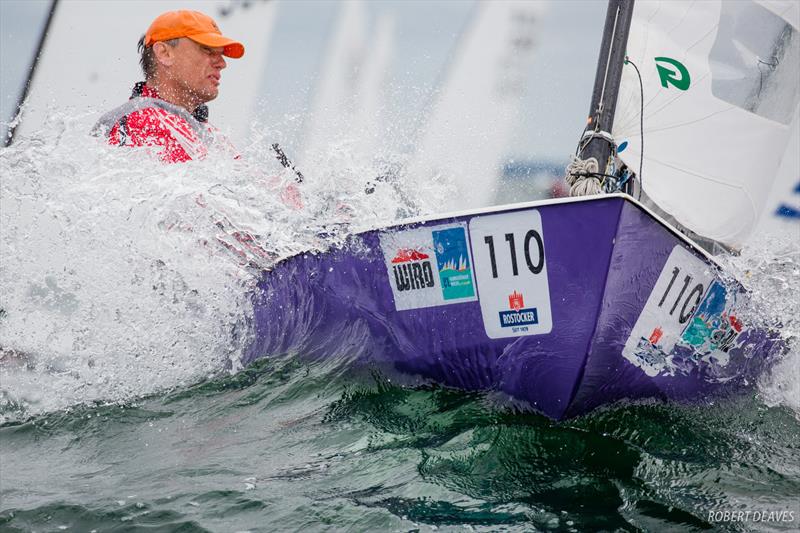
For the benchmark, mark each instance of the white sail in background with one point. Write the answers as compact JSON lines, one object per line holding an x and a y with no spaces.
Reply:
{"x":721,"y":84}
{"x":781,"y":212}
{"x":89,"y":62}
{"x":468,"y":131}
{"x":334,"y":102}
{"x":370,"y":95}
{"x":782,"y":209}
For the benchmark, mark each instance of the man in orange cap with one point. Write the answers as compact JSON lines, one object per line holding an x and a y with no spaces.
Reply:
{"x":182,"y":57}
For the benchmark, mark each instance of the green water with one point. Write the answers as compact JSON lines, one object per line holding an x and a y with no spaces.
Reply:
{"x":291,"y":446}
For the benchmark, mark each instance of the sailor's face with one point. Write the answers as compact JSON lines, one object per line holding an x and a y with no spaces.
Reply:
{"x":198,"y":68}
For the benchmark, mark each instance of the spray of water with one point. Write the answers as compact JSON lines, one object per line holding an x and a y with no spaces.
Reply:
{"x":122,"y":276}
{"x":769,"y":266}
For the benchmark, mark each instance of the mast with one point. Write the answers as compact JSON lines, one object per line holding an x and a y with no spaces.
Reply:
{"x":597,"y":140}
{"x":9,"y":137}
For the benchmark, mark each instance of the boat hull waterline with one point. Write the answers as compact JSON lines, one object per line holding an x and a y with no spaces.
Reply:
{"x":562,"y":305}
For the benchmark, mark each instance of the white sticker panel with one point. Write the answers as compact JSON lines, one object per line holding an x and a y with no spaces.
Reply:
{"x":679,"y":290}
{"x":511,"y":270}
{"x":429,"y":266}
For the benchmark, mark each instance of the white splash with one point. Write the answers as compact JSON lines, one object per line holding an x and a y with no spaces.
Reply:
{"x":769,"y":266}
{"x":121,"y":276}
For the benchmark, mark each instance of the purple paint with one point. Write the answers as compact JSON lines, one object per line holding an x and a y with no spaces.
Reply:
{"x":603,"y":258}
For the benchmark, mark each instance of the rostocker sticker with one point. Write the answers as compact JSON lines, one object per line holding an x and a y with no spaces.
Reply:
{"x":511,"y":271}
{"x":429,"y":266}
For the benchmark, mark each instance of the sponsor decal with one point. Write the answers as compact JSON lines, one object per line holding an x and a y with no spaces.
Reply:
{"x":672,"y":72}
{"x":511,"y":271}
{"x":518,"y":317}
{"x":452,"y":259}
{"x":689,"y":307}
{"x":412,"y":270}
{"x":713,"y":327}
{"x":429,"y":266}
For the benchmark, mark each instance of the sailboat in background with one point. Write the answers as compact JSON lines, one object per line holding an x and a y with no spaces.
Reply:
{"x":471,"y":122}
{"x":334,"y":101}
{"x":350,"y":93}
{"x":569,"y":304}
{"x":367,"y":126}
{"x":103,"y":64}
{"x":782,"y":209}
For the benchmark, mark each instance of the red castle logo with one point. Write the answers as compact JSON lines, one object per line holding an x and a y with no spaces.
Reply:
{"x":656,"y":335}
{"x":518,"y":317}
{"x":515,"y":301}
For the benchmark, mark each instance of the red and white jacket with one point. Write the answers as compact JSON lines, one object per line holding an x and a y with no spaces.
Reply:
{"x":148,"y":120}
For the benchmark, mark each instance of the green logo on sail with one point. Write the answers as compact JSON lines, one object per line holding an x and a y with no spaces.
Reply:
{"x":672,"y":72}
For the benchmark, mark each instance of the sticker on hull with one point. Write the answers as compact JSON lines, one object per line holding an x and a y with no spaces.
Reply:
{"x":429,"y":266}
{"x":690,"y":308}
{"x":511,"y":270}
{"x":453,"y":262}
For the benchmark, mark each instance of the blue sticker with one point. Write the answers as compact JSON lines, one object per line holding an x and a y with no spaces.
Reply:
{"x":452,"y":258}
{"x":712,"y":327}
{"x":622,"y":146}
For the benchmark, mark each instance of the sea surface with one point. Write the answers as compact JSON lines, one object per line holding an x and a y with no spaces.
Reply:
{"x":123,"y":408}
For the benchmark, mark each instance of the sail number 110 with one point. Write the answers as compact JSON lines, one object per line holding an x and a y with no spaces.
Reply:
{"x":692,"y":297}
{"x":530,"y":237}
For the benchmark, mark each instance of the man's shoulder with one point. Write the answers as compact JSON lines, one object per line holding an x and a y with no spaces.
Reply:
{"x":141,"y":107}
{"x":140,"y":124}
{"x":156,"y":119}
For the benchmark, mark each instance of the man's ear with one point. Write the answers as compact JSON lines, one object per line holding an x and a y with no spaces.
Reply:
{"x":165,"y":54}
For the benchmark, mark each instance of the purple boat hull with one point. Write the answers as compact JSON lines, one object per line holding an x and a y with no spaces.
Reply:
{"x":563,"y":305}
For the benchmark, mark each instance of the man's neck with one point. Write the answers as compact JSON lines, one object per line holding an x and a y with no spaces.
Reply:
{"x":169,"y":92}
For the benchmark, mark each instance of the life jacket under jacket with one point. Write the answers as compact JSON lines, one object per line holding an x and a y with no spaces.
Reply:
{"x":147,"y":120}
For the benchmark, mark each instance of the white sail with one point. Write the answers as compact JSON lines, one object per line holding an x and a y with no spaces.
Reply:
{"x":371,"y":90}
{"x":721,"y":84}
{"x":89,"y":62}
{"x":333,"y":103}
{"x":781,"y":213}
{"x":468,"y":131}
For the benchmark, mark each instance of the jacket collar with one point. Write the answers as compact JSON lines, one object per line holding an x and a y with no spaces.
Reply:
{"x":141,"y":89}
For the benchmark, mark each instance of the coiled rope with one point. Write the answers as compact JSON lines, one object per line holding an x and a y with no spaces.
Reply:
{"x":581,"y":176}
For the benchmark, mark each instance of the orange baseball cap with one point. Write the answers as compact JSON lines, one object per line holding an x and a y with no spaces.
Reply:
{"x":194,"y":25}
